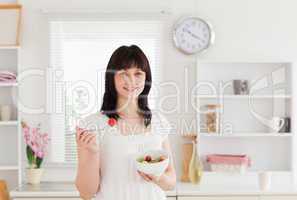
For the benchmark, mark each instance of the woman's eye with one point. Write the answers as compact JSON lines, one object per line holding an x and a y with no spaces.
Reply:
{"x":138,"y":74}
{"x":124,"y":74}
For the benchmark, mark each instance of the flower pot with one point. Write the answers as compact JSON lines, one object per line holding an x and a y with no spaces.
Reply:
{"x":34,"y":175}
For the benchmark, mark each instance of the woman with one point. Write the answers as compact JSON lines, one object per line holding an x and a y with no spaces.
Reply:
{"x":126,"y":126}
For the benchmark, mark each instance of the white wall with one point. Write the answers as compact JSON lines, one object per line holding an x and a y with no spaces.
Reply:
{"x":245,"y":29}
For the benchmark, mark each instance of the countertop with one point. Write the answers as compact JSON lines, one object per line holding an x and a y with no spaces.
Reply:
{"x":188,"y":189}
{"x":53,"y":189}
{"x":67,"y":189}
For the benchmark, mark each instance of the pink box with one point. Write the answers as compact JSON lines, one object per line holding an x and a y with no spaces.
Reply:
{"x":228,"y":163}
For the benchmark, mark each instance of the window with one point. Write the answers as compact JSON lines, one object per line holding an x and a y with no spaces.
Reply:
{"x":79,"y":53}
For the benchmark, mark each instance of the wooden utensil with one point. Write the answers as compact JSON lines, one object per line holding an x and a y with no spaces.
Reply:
{"x":187,"y":155}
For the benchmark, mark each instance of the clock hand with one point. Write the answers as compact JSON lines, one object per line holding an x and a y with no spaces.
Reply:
{"x":193,"y":35}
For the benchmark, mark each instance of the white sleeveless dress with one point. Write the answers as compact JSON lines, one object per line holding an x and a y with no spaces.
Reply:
{"x":119,"y":177}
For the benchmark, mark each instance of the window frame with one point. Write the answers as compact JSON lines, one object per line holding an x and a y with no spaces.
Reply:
{"x":163,"y":18}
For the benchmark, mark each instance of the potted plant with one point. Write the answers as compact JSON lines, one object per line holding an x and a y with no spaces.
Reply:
{"x":36,"y":143}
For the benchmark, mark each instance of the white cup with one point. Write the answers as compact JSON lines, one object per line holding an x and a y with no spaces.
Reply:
{"x":264,"y":179}
{"x":276,"y":124}
{"x":5,"y":113}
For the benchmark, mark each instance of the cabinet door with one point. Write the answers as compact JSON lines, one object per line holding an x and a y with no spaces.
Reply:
{"x":171,"y":198}
{"x":52,"y":198}
{"x":278,"y":197}
{"x":220,"y":198}
{"x":60,"y":198}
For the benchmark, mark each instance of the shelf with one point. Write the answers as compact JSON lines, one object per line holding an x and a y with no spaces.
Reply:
{"x":243,"y":120}
{"x":8,"y":84}
{"x":246,"y":135}
{"x":9,"y":167}
{"x":10,"y":6}
{"x":245,"y":96}
{"x":9,"y":47}
{"x":8,"y":123}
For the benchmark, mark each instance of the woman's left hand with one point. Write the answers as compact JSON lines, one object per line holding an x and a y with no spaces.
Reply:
{"x":167,"y":181}
{"x":149,"y":177}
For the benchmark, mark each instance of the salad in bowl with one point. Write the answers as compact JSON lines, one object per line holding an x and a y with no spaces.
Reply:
{"x":152,"y":162}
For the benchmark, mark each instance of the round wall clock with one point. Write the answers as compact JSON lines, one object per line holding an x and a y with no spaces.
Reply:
{"x":192,"y":35}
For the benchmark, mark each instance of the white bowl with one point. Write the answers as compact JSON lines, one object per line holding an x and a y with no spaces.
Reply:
{"x":156,"y":169}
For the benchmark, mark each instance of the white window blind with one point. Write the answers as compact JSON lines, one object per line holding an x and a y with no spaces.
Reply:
{"x":79,"y":53}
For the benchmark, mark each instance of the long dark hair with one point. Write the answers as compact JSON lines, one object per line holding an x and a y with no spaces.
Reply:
{"x":126,"y":57}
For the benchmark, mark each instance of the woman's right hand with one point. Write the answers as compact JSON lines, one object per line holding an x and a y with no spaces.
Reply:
{"x":86,"y":140}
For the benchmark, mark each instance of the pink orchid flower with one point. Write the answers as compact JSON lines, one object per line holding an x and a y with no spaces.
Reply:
{"x":36,"y":140}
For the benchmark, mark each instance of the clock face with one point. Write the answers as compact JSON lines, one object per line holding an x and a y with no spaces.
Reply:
{"x":192,"y":35}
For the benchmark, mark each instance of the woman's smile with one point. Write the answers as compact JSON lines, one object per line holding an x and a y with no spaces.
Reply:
{"x":131,"y":89}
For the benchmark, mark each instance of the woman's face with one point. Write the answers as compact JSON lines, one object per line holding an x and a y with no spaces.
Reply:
{"x":129,"y":83}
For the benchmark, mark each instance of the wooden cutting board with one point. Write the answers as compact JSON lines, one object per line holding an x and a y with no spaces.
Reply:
{"x":187,"y":150}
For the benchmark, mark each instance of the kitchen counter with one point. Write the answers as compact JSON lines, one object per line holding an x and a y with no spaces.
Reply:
{"x":215,"y":184}
{"x":67,"y":189}
{"x":53,"y":189}
{"x":188,"y":189}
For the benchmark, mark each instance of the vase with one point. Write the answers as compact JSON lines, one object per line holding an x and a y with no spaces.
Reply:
{"x":34,"y":175}
{"x":195,"y":166}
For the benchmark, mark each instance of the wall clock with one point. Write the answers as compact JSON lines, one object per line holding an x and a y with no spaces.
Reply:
{"x":192,"y":35}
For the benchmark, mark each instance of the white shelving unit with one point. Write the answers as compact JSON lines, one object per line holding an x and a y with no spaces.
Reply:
{"x":243,"y":125}
{"x":10,"y":131}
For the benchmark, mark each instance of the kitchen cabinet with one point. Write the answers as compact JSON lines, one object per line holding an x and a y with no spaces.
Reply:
{"x":220,"y":198}
{"x":283,"y":197}
{"x":268,"y":197}
{"x":272,"y":197}
{"x":41,"y":198}
{"x":64,"y":198}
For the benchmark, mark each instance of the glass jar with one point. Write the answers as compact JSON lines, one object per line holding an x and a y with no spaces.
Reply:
{"x":212,"y":118}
